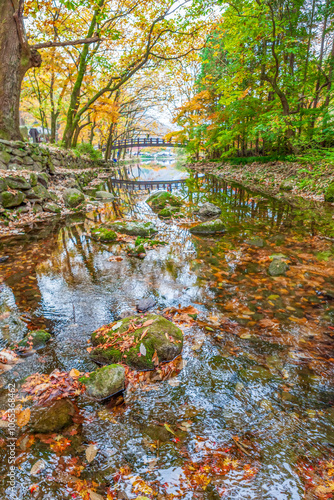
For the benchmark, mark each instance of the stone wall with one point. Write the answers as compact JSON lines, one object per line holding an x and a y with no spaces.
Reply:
{"x":39,"y":158}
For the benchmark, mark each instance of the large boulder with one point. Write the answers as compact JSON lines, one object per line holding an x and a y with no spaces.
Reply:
{"x":135,"y":340}
{"x":103,"y":234}
{"x":135,"y":228}
{"x":73,"y":197}
{"x":104,"y":382}
{"x":52,"y":417}
{"x":36,"y":338}
{"x":9,"y":199}
{"x":209,"y":227}
{"x":161,"y":199}
{"x":209,"y":210}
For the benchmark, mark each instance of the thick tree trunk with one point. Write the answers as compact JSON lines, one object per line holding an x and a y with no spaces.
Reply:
{"x":16,"y":58}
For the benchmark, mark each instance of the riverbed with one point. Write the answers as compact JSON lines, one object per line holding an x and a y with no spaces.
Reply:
{"x":249,"y":414}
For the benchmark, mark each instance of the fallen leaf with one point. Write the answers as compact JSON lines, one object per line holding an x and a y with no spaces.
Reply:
{"x":23,"y":417}
{"x":117,"y":325}
{"x":37,"y":467}
{"x":94,"y":496}
{"x":74,"y":373}
{"x":91,"y":452}
{"x":148,"y":322}
{"x":169,"y":429}
{"x":142,"y":350}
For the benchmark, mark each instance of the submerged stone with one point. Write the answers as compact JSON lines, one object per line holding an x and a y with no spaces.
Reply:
{"x":134,"y":228}
{"x":103,"y":234}
{"x":134,"y":341}
{"x":209,"y":227}
{"x":36,"y":338}
{"x":209,"y":210}
{"x":159,"y":200}
{"x":255,"y":241}
{"x":278,"y":267}
{"x":52,"y":417}
{"x":104,"y":382}
{"x":145,"y":304}
{"x":73,"y":197}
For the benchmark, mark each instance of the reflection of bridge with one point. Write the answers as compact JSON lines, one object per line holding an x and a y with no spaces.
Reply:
{"x":137,"y":185}
{"x":146,"y":143}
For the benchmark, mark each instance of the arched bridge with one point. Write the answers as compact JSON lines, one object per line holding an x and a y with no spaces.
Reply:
{"x":151,"y":142}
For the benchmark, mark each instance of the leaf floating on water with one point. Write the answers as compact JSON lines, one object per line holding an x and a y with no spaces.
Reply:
{"x":74,"y":373}
{"x":23,"y":417}
{"x":91,"y":452}
{"x":94,"y":496}
{"x":169,"y":429}
{"x":118,"y":325}
{"x":37,"y":467}
{"x":142,"y":350}
{"x":174,"y":382}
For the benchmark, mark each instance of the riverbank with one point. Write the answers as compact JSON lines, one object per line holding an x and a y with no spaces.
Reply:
{"x":282,"y":180}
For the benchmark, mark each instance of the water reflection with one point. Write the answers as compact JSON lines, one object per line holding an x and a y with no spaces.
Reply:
{"x":262,"y":374}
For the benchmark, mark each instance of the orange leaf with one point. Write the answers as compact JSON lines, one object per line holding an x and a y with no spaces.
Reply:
{"x":23,"y":417}
{"x":148,"y":322}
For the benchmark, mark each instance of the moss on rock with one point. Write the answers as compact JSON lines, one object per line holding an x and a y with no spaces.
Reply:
{"x":125,"y":341}
{"x":286,"y":185}
{"x":103,"y":234}
{"x":210,"y":227}
{"x":73,"y":197}
{"x":134,"y":228}
{"x":36,"y":338}
{"x":52,"y":417}
{"x":278,"y":267}
{"x":9,"y":199}
{"x":329,"y":193}
{"x":158,"y":201}
{"x":104,"y":382}
{"x":255,"y":241}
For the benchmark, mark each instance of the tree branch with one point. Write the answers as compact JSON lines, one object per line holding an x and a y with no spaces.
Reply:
{"x":81,"y":41}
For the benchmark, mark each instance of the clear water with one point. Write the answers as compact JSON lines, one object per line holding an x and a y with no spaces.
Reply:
{"x":257,"y":397}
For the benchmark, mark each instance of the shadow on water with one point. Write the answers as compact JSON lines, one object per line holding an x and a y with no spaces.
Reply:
{"x":256,"y":391}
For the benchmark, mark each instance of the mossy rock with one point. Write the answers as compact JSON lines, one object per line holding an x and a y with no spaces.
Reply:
{"x":43,"y":179}
{"x":158,"y":201}
{"x":286,"y":185}
{"x":17,"y":183}
{"x":36,"y":338}
{"x":104,"y":195}
{"x":33,"y":179}
{"x":255,"y":241}
{"x":51,"y":207}
{"x":134,"y":228}
{"x":3,"y":184}
{"x":209,"y":227}
{"x":53,"y":417}
{"x":104,"y":382}
{"x":41,"y":192}
{"x":209,"y":210}
{"x":278,"y":267}
{"x":168,"y":212}
{"x":138,"y":353}
{"x":103,"y":234}
{"x":73,"y":197}
{"x":329,"y":193}
{"x":9,"y":200}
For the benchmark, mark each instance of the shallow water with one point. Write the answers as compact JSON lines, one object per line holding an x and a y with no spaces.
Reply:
{"x":252,"y":410}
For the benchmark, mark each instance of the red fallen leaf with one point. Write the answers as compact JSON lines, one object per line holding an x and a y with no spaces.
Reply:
{"x":33,"y":488}
{"x":176,"y":440}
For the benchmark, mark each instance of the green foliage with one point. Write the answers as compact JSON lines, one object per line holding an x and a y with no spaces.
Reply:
{"x":85,"y":148}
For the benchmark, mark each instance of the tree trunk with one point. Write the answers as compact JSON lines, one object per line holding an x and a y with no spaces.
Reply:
{"x":16,"y":57}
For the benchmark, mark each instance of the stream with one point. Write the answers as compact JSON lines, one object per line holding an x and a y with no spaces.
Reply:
{"x":250,"y":414}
